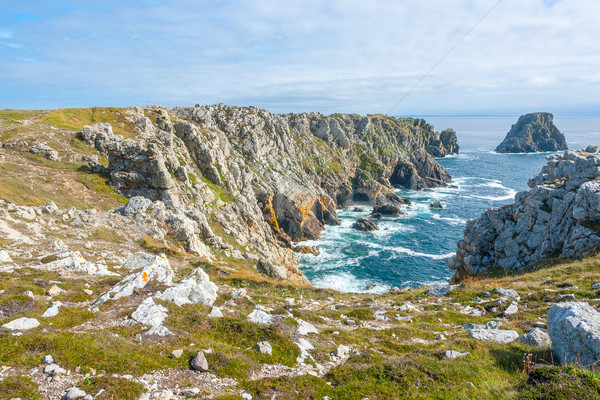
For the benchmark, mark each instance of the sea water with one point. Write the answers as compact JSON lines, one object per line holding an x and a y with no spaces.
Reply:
{"x":409,"y":251}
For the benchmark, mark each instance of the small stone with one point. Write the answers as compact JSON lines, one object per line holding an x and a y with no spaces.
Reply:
{"x":496,"y":335}
{"x":264,"y":347}
{"x":513,"y":308}
{"x":189,"y":392}
{"x":49,"y":208}
{"x":246,"y":396}
{"x":177,"y":353}
{"x":451,"y":354}
{"x":566,"y":297}
{"x":436,"y":205}
{"x":440,"y":337}
{"x":28,"y":293}
{"x":216,"y":313}
{"x":5,"y":257}
{"x":48,"y":359}
{"x":199,"y":363}
{"x":88,"y":292}
{"x":55,"y":290}
{"x":470,"y":384}
{"x":341,"y":351}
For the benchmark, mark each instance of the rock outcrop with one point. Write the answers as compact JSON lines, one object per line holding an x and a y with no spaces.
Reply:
{"x":574,"y":330}
{"x":532,"y":133}
{"x":558,"y":216}
{"x":249,"y":184}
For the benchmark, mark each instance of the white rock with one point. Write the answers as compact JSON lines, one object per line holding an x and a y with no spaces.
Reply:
{"x":574,"y":330}
{"x":304,"y":345}
{"x":5,"y":257}
{"x":246,"y":396}
{"x":513,"y":308}
{"x":261,"y":315}
{"x":177,"y":353}
{"x":189,"y":392}
{"x":159,"y":330}
{"x":72,"y":262}
{"x":48,"y":359}
{"x":150,"y":313}
{"x":304,"y":328}
{"x":441,"y":290}
{"x":451,"y":354}
{"x":55,"y":291}
{"x":508,"y":292}
{"x":49,"y":208}
{"x":54,"y":370}
{"x":199,"y":363}
{"x":496,"y":335}
{"x":215,"y":313}
{"x":159,"y":270}
{"x":264,"y":347}
{"x":53,"y":310}
{"x":196,"y":288}
{"x":536,"y":337}
{"x":135,"y":205}
{"x":341,"y":351}
{"x":22,"y":324}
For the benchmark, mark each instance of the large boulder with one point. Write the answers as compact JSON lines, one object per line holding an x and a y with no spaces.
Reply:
{"x":196,"y":288}
{"x":574,"y":330}
{"x":533,"y":132}
{"x":365,"y":224}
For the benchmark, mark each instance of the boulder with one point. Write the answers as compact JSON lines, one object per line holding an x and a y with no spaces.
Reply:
{"x":441,"y":290}
{"x":264,"y":348}
{"x":271,"y":270}
{"x":436,"y":205}
{"x":387,"y":210}
{"x":196,"y":288}
{"x":5,"y":257}
{"x":135,"y":205}
{"x":53,"y":310}
{"x":150,"y":313}
{"x":74,"y":394}
{"x":452,"y":354}
{"x":49,"y":208}
{"x":533,"y":132}
{"x":536,"y":337}
{"x":496,"y":335}
{"x":42,"y":149}
{"x":199,"y":363}
{"x":21,"y":324}
{"x":574,"y":330}
{"x":261,"y":315}
{"x":72,"y":263}
{"x":365,"y":224}
{"x":304,"y":328}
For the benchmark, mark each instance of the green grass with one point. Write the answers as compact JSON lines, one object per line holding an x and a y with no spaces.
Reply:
{"x":19,"y":387}
{"x":76,"y":118}
{"x":100,"y":184}
{"x":114,"y":388}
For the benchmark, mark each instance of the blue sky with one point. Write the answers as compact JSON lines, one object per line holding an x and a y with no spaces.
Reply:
{"x":328,"y":56}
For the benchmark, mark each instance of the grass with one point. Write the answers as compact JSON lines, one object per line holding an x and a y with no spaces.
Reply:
{"x":105,"y":234}
{"x":21,"y":387}
{"x":114,"y":388}
{"x":76,"y":118}
{"x":152,"y":245}
{"x":100,"y":184}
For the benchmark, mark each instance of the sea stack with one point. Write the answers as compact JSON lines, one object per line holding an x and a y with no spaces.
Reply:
{"x":533,"y":133}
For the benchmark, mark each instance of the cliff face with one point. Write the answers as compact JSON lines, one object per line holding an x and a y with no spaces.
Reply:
{"x":266,"y":181}
{"x":532,"y":133}
{"x":559,"y":216}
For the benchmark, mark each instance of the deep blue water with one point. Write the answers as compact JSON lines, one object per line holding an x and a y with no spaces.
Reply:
{"x":409,"y":251}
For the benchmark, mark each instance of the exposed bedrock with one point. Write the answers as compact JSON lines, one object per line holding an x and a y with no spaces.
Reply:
{"x":558,"y":216}
{"x":532,"y":133}
{"x":251,"y":183}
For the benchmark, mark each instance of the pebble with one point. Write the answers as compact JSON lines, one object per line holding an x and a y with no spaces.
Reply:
{"x":177,"y":353}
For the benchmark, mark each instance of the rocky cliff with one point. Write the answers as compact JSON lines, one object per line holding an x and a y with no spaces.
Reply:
{"x":533,"y":132}
{"x":559,"y":216}
{"x":266,"y":181}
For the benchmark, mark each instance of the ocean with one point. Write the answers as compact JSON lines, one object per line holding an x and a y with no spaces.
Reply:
{"x":409,"y":251}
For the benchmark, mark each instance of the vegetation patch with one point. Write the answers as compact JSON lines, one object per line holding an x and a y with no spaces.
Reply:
{"x":114,"y":388}
{"x":19,"y":387}
{"x":549,"y":382}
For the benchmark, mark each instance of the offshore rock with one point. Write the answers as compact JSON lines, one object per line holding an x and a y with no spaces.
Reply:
{"x":558,"y":216}
{"x":532,"y":133}
{"x":365,"y":224}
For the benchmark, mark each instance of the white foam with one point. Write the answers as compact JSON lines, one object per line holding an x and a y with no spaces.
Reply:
{"x":348,"y":283}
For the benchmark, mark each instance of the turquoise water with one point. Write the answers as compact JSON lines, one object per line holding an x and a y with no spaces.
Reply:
{"x":409,"y":251}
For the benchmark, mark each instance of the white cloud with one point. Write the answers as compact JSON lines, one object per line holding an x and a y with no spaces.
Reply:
{"x":339,"y":55}
{"x":5,"y":34}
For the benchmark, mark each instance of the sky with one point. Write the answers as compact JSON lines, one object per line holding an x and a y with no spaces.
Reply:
{"x":398,"y":57}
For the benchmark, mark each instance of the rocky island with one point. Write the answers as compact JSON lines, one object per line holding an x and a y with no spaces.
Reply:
{"x":533,"y":133}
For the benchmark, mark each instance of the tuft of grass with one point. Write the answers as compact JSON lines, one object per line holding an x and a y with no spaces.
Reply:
{"x":152,"y":245}
{"x":114,"y":388}
{"x":105,"y":234}
{"x":20,"y":387}
{"x":552,"y":382}
{"x":365,"y":314}
{"x":100,"y":184}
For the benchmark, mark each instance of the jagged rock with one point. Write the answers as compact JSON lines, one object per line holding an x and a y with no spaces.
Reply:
{"x":388,"y":210}
{"x":159,"y":269}
{"x":150,"y":313}
{"x":452,"y":354}
{"x":264,"y":347}
{"x":196,"y":288}
{"x":557,"y":217}
{"x":135,"y":205}
{"x":54,"y":370}
{"x":441,"y":290}
{"x":42,"y":149}
{"x":512,"y":308}
{"x":533,"y":132}
{"x":304,"y":345}
{"x":574,"y":330}
{"x":436,"y":205}
{"x":496,"y":335}
{"x":271,"y":270}
{"x":158,"y":330}
{"x":365,"y":224}
{"x":536,"y":337}
{"x":507,"y":292}
{"x":199,"y":363}
{"x":341,"y":351}
{"x":22,"y":324}
{"x":53,"y":310}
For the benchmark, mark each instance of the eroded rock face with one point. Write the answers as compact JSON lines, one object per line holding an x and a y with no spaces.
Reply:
{"x":558,"y":216}
{"x":574,"y":330}
{"x":532,"y":133}
{"x":266,"y":181}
